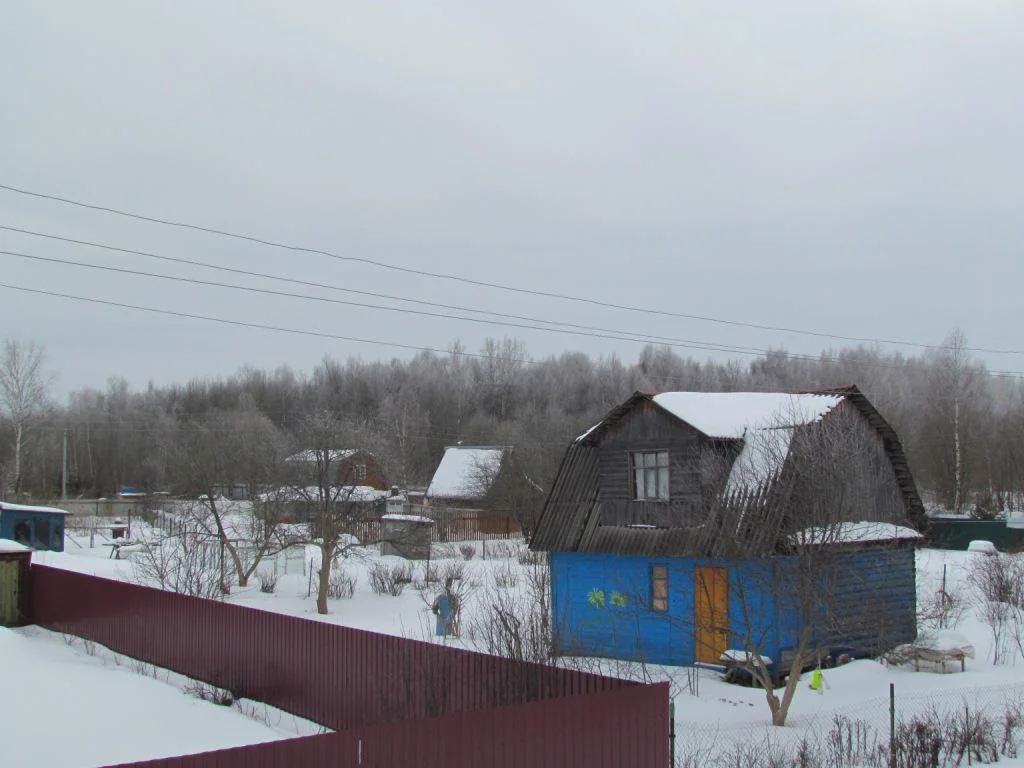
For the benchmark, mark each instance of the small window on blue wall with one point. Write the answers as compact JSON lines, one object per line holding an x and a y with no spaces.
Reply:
{"x":659,"y":588}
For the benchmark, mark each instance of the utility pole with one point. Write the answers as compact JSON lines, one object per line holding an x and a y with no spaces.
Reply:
{"x":64,"y":470}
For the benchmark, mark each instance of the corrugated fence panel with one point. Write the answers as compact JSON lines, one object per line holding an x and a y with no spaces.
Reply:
{"x":628,"y":727}
{"x":358,"y":682}
{"x":282,"y":659}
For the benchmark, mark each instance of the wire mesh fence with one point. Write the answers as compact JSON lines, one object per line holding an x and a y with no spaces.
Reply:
{"x":933,"y":729}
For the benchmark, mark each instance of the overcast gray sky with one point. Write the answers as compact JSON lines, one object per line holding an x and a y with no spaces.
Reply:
{"x":847,"y":167}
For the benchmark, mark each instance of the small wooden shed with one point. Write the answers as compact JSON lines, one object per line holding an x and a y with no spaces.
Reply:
{"x":407,"y":536}
{"x":14,"y":568}
{"x":36,"y":527}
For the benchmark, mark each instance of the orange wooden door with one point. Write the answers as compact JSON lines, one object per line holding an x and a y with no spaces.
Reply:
{"x":711,"y":612}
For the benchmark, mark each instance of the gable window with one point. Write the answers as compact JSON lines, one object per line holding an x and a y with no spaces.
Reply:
{"x":360,"y":472}
{"x":650,"y":475}
{"x":659,"y":588}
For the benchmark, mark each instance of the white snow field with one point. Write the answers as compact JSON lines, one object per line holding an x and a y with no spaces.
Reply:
{"x":68,"y":704}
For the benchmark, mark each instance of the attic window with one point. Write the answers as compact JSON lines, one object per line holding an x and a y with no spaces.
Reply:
{"x":649,"y":471}
{"x":360,"y":472}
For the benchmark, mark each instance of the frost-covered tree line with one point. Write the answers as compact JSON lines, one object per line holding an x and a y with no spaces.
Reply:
{"x":962,"y":425}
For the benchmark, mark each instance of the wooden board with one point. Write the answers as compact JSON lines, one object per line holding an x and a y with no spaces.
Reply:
{"x":9,"y":613}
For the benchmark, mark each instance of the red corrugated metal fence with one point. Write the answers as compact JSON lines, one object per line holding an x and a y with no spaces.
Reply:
{"x":350,"y":679}
{"x":620,"y":728}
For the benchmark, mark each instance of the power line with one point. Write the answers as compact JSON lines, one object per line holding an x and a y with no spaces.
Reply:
{"x":630,"y":335}
{"x":682,"y":343}
{"x":483,"y":283}
{"x":398,"y":345}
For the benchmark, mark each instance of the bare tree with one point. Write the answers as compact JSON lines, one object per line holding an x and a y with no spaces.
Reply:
{"x":22,"y":391}
{"x":225,"y":449}
{"x":326,"y":488}
{"x":819,"y":489}
{"x":506,"y":485}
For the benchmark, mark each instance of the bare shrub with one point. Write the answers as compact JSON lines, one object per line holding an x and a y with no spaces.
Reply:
{"x":342,"y":585}
{"x":998,"y":578}
{"x":502,"y":550}
{"x":210,"y":693}
{"x":1013,"y":719}
{"x":425,"y":576}
{"x":998,"y":583}
{"x":468,"y":551}
{"x":944,"y":609}
{"x":506,"y":576}
{"x":187,"y":564}
{"x":516,"y":625}
{"x":268,"y":581}
{"x":390,"y":579}
{"x":445,"y":551}
{"x":527,"y":556}
{"x":851,"y":743}
{"x":454,"y":570}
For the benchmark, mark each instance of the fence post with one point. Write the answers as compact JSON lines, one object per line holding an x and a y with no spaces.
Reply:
{"x":892,"y":725}
{"x":672,"y":731}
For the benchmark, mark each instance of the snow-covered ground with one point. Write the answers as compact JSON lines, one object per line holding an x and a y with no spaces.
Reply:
{"x":710,"y":713}
{"x":69,"y":704}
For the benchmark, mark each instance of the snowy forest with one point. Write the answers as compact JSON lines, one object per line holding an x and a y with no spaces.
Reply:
{"x":962,"y":425}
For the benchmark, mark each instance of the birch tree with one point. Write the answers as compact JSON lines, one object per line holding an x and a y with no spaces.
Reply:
{"x":23,"y":389}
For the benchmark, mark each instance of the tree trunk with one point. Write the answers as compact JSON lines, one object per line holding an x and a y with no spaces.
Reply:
{"x":18,"y":435}
{"x":243,"y":577}
{"x":326,"y":556}
{"x":780,"y":711}
{"x":958,"y":500}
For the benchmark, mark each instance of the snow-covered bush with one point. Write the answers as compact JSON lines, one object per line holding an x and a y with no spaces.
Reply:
{"x":390,"y":579}
{"x":268,"y":581}
{"x":468,"y":551}
{"x":506,"y":576}
{"x":342,"y":585}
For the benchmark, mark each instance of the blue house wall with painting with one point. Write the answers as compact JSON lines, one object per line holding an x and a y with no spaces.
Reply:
{"x":602,"y":605}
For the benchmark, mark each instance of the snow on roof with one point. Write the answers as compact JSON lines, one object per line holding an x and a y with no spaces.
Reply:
{"x":732,"y":414}
{"x":7,"y":546}
{"x":8,"y":507}
{"x":408,"y":518}
{"x":341,"y":493}
{"x":856,"y":533}
{"x":763,"y":455}
{"x":465,"y":472}
{"x":312,"y":455}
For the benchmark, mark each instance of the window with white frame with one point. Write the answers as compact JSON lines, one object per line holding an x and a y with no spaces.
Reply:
{"x":649,"y":471}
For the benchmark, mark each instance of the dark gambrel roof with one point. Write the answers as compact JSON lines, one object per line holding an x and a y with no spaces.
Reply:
{"x":893,"y":448}
{"x":747,"y":521}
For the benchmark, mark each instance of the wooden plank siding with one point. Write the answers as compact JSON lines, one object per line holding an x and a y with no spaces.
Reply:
{"x":874,"y":600}
{"x":591,"y":506}
{"x":871,"y":604}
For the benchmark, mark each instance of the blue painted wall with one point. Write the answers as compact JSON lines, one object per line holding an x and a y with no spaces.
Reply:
{"x":45,"y":530}
{"x":601,"y":605}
